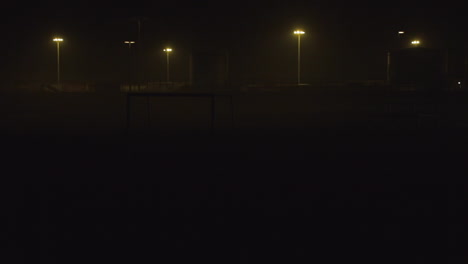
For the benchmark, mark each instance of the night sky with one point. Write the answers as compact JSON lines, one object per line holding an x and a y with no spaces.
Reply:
{"x":343,"y":41}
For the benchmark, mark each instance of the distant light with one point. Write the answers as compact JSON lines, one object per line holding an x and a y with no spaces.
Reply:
{"x":415,"y":42}
{"x":299,"y":32}
{"x":168,"y":50}
{"x":58,"y":39}
{"x":129,"y":42}
{"x":401,"y":32}
{"x":459,"y":82}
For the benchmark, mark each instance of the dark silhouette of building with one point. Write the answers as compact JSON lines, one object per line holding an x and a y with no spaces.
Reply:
{"x":209,"y":70}
{"x":419,"y":69}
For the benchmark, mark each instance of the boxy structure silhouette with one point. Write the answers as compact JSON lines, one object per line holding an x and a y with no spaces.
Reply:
{"x":420,"y":69}
{"x":209,"y":70}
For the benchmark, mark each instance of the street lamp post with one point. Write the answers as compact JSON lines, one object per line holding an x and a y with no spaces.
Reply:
{"x":299,"y":33}
{"x":58,"y":40}
{"x":388,"y":67}
{"x":415,"y":43}
{"x":129,"y":43}
{"x":398,"y":46}
{"x":167,"y":50}
{"x":400,"y":38}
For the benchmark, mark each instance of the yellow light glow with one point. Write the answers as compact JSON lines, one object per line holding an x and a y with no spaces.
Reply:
{"x":299,"y":32}
{"x":58,"y":39}
{"x":168,"y":50}
{"x":129,"y":42}
{"x":415,"y":42}
{"x":401,"y":32}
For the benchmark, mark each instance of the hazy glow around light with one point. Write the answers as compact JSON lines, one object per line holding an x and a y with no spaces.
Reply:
{"x":58,"y":39}
{"x":299,"y":32}
{"x":401,"y":32}
{"x":415,"y":42}
{"x":168,"y":50}
{"x":129,"y":42}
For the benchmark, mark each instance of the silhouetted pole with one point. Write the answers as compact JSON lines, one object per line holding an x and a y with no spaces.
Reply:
{"x":299,"y":59}
{"x":129,"y":62}
{"x":400,"y":38}
{"x":138,"y":48}
{"x":191,"y":70}
{"x":388,"y":67}
{"x":227,"y":81}
{"x":398,"y":46}
{"x":465,"y":75}
{"x":58,"y":40}
{"x":138,"y":53}
{"x":58,"y":64}
{"x":299,"y":33}
{"x":167,"y":50}
{"x":167,"y":66}
{"x":446,"y":62}
{"x":139,"y":29}
{"x":129,"y":65}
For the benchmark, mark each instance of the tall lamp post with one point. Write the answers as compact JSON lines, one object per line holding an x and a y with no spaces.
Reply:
{"x":400,"y":36}
{"x":398,"y":46}
{"x":58,"y":40}
{"x":167,"y":50}
{"x":299,"y":33}
{"x":129,"y":43}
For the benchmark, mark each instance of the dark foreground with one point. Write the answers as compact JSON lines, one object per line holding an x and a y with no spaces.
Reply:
{"x":422,"y":158}
{"x":234,"y":223}
{"x":367,"y":190}
{"x":331,"y":199}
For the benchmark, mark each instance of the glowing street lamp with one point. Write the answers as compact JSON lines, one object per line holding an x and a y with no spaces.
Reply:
{"x":398,"y":45}
{"x":401,"y":33}
{"x":129,"y":43}
{"x":299,"y":33}
{"x":415,"y":42}
{"x":167,"y":50}
{"x":400,"y":36}
{"x":58,"y":40}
